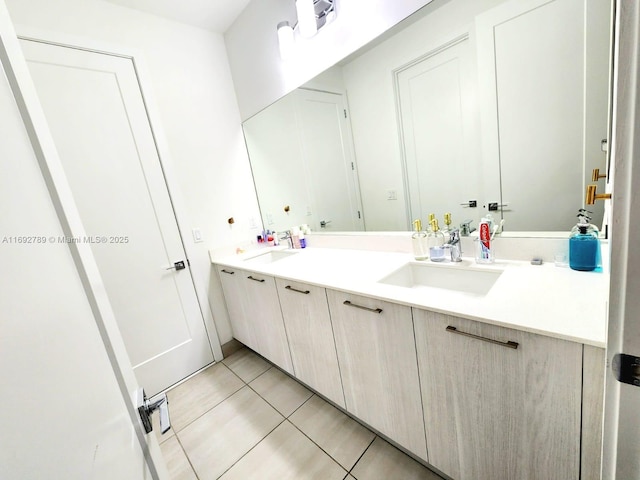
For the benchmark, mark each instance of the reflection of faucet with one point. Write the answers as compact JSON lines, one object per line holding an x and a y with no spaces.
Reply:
{"x":454,"y":245}
{"x":466,"y":228}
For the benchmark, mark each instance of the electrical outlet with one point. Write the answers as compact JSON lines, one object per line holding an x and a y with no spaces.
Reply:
{"x":197,"y":235}
{"x":252,"y":223}
{"x":392,"y":195}
{"x":269,"y":218}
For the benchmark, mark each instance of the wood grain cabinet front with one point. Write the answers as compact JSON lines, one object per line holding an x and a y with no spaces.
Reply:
{"x":255,"y":315}
{"x":310,"y":333}
{"x":499,"y":403}
{"x":377,"y":356}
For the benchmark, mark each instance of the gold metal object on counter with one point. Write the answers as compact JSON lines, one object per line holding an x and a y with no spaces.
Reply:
{"x":596,"y":175}
{"x":592,"y":196}
{"x":447,"y":219}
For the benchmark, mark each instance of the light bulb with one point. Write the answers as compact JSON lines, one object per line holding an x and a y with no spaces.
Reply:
{"x":306,"y":18}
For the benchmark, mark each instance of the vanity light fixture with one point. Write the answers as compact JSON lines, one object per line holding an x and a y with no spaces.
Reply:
{"x":312,"y":16}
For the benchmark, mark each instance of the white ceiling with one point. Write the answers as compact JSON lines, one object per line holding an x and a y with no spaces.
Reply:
{"x":214,"y":15}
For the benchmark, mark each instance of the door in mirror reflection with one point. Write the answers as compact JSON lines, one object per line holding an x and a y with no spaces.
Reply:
{"x":302,"y":158}
{"x":436,"y":117}
{"x":543,"y":85}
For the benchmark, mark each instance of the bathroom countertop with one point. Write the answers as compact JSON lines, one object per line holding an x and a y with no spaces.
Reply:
{"x":548,"y":300}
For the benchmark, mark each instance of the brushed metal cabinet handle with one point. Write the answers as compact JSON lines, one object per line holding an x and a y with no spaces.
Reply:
{"x":305,"y":292}
{"x":374,"y":310}
{"x":256,"y":279}
{"x":508,"y":344}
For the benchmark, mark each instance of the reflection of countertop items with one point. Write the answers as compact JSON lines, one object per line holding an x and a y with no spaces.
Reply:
{"x":549,"y":300}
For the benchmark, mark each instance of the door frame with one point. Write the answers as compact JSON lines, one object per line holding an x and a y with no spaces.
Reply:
{"x":23,"y":89}
{"x":199,"y":261}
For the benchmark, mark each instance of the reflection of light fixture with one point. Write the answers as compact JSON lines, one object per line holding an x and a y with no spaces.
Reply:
{"x":285,"y":39}
{"x":312,"y":16}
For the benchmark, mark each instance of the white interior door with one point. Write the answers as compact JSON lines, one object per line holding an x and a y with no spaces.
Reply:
{"x":437,"y":125}
{"x":94,"y":107}
{"x":622,"y":399}
{"x":543,"y":73}
{"x":64,"y":412}
{"x":327,"y":150}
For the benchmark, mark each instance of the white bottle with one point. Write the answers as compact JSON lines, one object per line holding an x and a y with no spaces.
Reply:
{"x":295,"y":237}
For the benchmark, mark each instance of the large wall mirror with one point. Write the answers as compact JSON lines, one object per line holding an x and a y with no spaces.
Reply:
{"x":467,"y":107}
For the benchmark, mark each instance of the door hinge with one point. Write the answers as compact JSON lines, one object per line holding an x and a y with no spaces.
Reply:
{"x":359,"y":214}
{"x":626,"y":368}
{"x":345,"y":113}
{"x":353,"y":167}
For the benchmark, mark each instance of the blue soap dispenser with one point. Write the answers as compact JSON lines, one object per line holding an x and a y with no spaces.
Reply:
{"x":583,"y":245}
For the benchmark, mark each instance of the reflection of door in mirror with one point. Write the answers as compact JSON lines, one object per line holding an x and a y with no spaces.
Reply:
{"x":437,"y":129}
{"x":542,"y":68}
{"x":302,"y":157}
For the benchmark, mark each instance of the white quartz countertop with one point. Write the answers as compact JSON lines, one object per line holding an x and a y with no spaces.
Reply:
{"x":545,"y":299}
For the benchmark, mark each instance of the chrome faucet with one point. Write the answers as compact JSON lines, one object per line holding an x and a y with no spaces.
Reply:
{"x":454,"y":245}
{"x":286,"y":236}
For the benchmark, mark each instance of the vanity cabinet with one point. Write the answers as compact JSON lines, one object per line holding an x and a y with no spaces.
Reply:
{"x":232,"y":281}
{"x":256,"y":318}
{"x":310,"y":333}
{"x":498,"y":403}
{"x":377,"y":356}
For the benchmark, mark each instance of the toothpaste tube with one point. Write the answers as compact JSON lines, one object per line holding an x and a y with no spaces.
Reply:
{"x":484,"y":231}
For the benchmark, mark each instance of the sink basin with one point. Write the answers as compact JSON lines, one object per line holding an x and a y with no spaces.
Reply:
{"x":460,"y":279}
{"x":270,"y":257}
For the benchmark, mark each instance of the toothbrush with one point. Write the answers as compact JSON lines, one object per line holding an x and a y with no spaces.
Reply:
{"x":496,"y":228}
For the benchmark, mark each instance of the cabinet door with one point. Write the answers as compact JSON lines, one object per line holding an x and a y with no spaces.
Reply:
{"x":313,"y":350}
{"x":497,"y":412}
{"x":232,"y":281}
{"x":262,"y":308}
{"x":377,"y":356}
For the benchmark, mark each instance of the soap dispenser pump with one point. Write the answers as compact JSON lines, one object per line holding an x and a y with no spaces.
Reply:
{"x":419,"y":241}
{"x":447,"y":228}
{"x":583,"y":245}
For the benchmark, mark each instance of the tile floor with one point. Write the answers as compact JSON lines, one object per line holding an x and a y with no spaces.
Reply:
{"x":245,"y":419}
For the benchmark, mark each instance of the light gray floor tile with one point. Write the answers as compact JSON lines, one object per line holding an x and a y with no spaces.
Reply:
{"x":281,"y":391}
{"x":286,"y":454}
{"x":200,"y":394}
{"x":215,"y":441}
{"x":177,"y":463}
{"x":383,"y":461}
{"x":246,"y":364}
{"x":340,"y":436}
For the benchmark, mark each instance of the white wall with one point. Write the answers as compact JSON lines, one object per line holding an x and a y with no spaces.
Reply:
{"x":189,"y":76}
{"x":260,"y":76}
